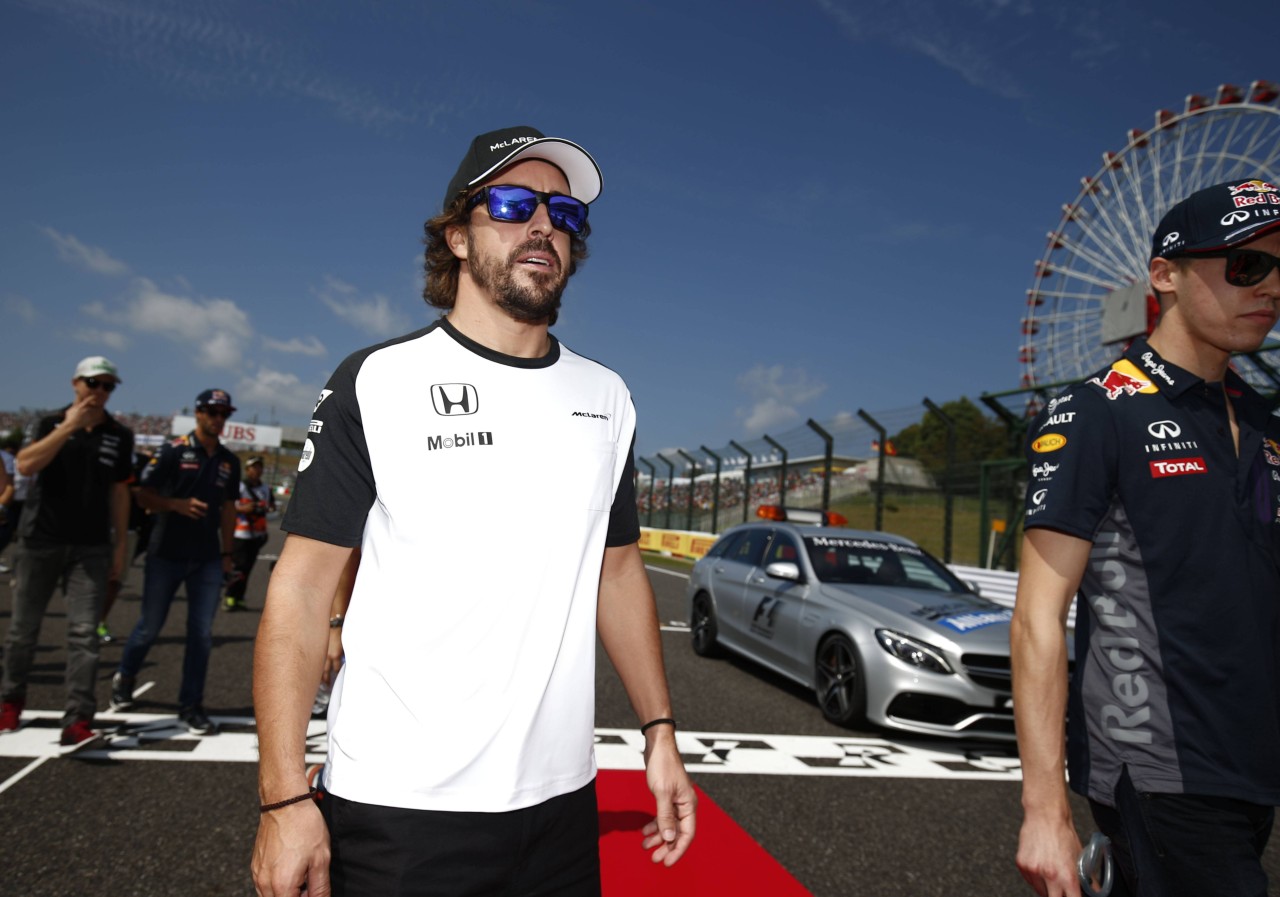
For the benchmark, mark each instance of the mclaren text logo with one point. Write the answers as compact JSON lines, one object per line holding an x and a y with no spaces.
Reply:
{"x":459,"y":440}
{"x":590,"y":414}
{"x":454,"y":398}
{"x":1176,"y":467}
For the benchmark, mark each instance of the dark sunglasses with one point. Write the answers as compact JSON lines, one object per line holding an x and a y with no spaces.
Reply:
{"x":507,"y":203}
{"x":215,"y":412}
{"x":95,"y":383}
{"x":1245,"y":267}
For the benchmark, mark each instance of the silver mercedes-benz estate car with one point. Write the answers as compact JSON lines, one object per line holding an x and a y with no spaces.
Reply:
{"x":876,"y":626}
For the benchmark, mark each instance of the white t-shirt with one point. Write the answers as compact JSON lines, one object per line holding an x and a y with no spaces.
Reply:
{"x":483,"y":490}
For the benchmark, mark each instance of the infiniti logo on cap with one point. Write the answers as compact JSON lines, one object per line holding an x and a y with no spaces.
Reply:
{"x":452,"y":399}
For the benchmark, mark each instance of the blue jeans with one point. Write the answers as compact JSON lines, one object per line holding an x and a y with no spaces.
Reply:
{"x":1184,"y":845}
{"x":203,"y":580}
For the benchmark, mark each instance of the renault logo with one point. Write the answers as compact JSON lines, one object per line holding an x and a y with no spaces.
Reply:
{"x":451,"y":399}
{"x":1164,"y":429}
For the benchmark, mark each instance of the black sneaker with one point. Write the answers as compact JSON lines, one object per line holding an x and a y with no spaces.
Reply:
{"x":197,"y":722}
{"x":121,"y":692}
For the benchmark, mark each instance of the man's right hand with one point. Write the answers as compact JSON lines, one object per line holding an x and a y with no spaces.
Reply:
{"x":83,"y":412}
{"x":291,"y":853}
{"x":191,"y":507}
{"x":1047,"y":855}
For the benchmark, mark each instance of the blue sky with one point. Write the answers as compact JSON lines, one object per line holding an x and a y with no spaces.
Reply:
{"x":808,"y":208}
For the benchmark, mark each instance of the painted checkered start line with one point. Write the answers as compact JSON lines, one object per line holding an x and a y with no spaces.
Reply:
{"x":144,"y":736}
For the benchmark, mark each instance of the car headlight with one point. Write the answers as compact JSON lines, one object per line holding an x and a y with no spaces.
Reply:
{"x":913,"y":651}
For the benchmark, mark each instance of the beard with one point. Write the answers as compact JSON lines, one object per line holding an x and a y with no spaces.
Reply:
{"x":536,"y":301}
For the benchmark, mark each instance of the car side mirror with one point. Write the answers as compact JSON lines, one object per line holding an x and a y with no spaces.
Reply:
{"x":788,"y":570}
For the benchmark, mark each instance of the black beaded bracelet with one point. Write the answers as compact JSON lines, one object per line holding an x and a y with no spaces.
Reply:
{"x":267,"y":808}
{"x":657,"y":722}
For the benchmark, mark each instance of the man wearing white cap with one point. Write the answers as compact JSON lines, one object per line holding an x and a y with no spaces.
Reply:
{"x":72,"y":532}
{"x":461,"y":726}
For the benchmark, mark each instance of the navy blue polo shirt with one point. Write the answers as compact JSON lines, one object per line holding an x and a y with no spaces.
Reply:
{"x":182,"y":469}
{"x":1177,"y":672}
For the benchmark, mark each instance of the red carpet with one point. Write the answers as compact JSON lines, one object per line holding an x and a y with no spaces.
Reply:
{"x":724,"y":861}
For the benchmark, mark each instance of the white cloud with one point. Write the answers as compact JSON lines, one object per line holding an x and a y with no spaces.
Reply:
{"x":91,"y":258}
{"x":776,"y":394}
{"x":297,"y":346}
{"x":20,"y":307}
{"x":283,"y":391}
{"x":942,"y":32}
{"x":217,"y":329}
{"x":109,"y":339}
{"x":372,"y":314}
{"x":206,"y":51}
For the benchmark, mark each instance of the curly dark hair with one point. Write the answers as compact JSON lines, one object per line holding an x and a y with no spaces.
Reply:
{"x":442,"y":266}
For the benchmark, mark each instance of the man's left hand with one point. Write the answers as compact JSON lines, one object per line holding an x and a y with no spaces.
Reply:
{"x":671,"y":831}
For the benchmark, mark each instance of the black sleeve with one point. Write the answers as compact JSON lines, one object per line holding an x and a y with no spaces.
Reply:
{"x":624,"y":518}
{"x":335,"y":487}
{"x":1073,"y":465}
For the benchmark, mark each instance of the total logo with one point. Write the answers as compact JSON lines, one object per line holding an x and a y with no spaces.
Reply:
{"x":1177,"y":467}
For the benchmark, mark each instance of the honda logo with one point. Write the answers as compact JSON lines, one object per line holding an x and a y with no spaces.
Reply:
{"x":1164,"y":429}
{"x":452,"y":399}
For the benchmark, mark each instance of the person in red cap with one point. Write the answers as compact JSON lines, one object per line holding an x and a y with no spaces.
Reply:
{"x":1156,"y":498}
{"x":461,"y":725}
{"x":191,"y":486}
{"x":72,"y":533}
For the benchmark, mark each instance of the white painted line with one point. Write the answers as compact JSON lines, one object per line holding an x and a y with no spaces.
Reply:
{"x":138,"y":736}
{"x":21,"y":774}
{"x":666,"y":571}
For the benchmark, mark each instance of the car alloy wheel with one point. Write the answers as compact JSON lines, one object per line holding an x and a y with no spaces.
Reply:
{"x":704,"y":627}
{"x":838,"y":681}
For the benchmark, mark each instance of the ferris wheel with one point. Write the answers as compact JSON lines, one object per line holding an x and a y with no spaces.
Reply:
{"x":1090,"y":295}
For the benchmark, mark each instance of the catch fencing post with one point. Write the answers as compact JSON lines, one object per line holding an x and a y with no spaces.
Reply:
{"x":782,"y":473}
{"x":715,"y":492}
{"x":746,"y":482}
{"x":950,"y":478}
{"x":884,"y":444}
{"x":693,"y":477}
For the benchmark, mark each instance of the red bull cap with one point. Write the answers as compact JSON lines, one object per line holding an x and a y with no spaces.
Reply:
{"x":1218,"y":217}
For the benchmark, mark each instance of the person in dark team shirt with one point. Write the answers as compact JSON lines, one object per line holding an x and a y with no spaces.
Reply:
{"x":1155,"y":494}
{"x":191,"y":485}
{"x":72,"y":532}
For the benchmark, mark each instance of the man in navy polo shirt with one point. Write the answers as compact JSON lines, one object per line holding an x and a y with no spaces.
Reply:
{"x":191,"y":485}
{"x":1155,"y":494}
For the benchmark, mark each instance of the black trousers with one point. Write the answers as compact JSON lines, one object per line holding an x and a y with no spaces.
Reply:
{"x":540,"y":851}
{"x":243,"y":556}
{"x":1184,"y":845}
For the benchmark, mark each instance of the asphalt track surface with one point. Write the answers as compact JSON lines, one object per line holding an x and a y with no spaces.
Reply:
{"x":163,"y":813}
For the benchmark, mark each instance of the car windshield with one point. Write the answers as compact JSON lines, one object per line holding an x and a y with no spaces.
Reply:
{"x":870,"y":561}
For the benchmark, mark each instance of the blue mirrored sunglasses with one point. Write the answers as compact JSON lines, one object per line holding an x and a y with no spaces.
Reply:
{"x":509,"y":203}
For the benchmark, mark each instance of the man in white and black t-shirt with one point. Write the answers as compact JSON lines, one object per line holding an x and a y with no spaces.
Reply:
{"x":486,"y":472}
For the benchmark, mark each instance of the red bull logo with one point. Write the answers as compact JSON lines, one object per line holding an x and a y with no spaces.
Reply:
{"x":1123,"y":380}
{"x":1271,"y":451}
{"x":1254,"y":186}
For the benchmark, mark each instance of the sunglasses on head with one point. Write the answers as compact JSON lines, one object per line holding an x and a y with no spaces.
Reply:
{"x":508,"y":203}
{"x":215,"y":412}
{"x":1245,"y":267}
{"x":95,"y":383}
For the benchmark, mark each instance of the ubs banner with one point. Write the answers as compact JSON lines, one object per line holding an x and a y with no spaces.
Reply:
{"x":236,"y":434}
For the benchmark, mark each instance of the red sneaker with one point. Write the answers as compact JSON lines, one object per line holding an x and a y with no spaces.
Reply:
{"x":10,"y":712}
{"x":77,"y":732}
